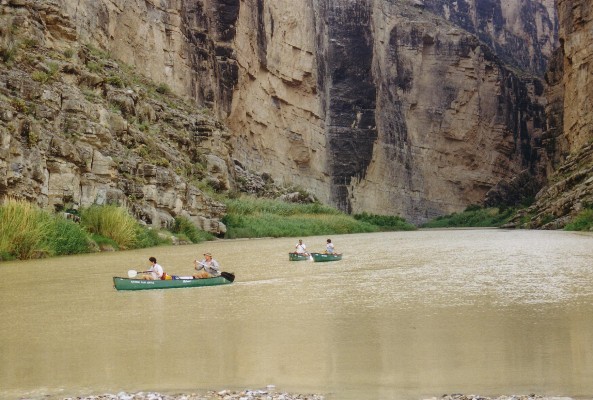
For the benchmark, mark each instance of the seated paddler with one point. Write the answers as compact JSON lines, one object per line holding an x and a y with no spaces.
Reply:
{"x":207,"y":268}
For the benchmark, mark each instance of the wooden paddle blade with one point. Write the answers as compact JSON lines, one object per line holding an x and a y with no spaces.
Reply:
{"x":132,"y":273}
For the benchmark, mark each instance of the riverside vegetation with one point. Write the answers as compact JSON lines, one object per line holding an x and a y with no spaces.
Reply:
{"x":476,"y":216}
{"x":30,"y":232}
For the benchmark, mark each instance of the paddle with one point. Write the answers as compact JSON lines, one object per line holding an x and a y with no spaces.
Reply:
{"x":133,"y":273}
{"x":229,"y":276}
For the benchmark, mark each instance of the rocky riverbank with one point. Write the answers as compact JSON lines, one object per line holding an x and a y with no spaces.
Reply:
{"x":271,"y":394}
{"x":248,"y":394}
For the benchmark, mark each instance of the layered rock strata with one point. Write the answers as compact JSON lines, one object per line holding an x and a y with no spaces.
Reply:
{"x":570,"y":90}
{"x":389,"y":107}
{"x":76,"y":129}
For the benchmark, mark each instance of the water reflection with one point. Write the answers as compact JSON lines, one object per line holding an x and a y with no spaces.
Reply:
{"x":402,"y":316}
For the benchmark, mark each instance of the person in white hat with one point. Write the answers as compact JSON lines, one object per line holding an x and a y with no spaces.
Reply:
{"x":207,"y":268}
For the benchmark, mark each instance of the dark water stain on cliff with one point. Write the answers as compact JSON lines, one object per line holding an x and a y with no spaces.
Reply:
{"x":351,"y":94}
{"x":210,"y":29}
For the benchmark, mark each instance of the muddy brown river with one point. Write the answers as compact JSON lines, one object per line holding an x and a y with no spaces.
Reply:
{"x":405,"y":315}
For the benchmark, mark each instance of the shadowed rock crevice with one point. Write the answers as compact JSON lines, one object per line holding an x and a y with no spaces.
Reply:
{"x":351,"y":104}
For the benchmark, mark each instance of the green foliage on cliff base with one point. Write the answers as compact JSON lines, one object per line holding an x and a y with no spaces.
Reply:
{"x":582,"y":222}
{"x":249,"y":217}
{"x":473,"y":216}
{"x":29,"y":232}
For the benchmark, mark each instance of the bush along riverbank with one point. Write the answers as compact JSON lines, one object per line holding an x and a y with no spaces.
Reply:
{"x":250,"y":217}
{"x":29,"y":232}
{"x":473,"y":217}
{"x":478,"y":217}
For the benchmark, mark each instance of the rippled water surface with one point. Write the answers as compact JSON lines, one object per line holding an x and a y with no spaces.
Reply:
{"x":404,"y":315}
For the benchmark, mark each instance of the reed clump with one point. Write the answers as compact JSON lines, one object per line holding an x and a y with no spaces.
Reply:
{"x":249,"y":217}
{"x":185,"y":228}
{"x":23,"y":230}
{"x":112,"y":222}
{"x":473,"y":216}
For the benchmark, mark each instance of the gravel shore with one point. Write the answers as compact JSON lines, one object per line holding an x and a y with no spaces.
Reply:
{"x":265,"y":394}
{"x":271,"y":394}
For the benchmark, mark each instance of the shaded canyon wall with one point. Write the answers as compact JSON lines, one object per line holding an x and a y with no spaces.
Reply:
{"x":411,"y":113}
{"x":390,"y":107}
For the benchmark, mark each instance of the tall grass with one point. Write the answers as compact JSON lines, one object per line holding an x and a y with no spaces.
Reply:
{"x":186,"y":228}
{"x":273,"y":225}
{"x":253,"y":217}
{"x":473,"y":216}
{"x":113,"y":222}
{"x":386,"y":222}
{"x":23,"y":230}
{"x":250,"y":205}
{"x":582,"y":222}
{"x":66,"y":237}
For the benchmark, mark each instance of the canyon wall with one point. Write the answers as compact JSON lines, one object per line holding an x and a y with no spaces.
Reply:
{"x":391,"y":107}
{"x":570,"y":117}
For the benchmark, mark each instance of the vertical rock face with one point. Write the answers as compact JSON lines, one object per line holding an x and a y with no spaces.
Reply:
{"x":351,"y":102}
{"x":570,"y":117}
{"x":411,"y":114}
{"x":576,"y":25}
{"x":410,"y":107}
{"x":278,"y":115}
{"x":453,"y":121}
{"x":522,"y":33}
{"x":185,"y":44}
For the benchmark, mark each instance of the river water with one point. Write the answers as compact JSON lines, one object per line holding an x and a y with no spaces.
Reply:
{"x":404,"y":315}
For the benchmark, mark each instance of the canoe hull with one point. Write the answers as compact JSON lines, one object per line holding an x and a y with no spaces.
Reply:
{"x":297,"y":257}
{"x":322,"y":257}
{"x":139,"y":284}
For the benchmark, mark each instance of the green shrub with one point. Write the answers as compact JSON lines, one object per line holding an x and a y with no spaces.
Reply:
{"x":386,"y":222}
{"x":273,"y":225}
{"x":112,"y":222}
{"x":39,"y":76}
{"x":475,"y":217}
{"x":94,"y":67}
{"x":67,"y":237}
{"x":146,"y":237}
{"x":104,"y":242}
{"x":250,"y":205}
{"x":8,"y":51}
{"x":184,"y":226}
{"x":115,"y":81}
{"x":23,"y":230}
{"x":582,"y":222}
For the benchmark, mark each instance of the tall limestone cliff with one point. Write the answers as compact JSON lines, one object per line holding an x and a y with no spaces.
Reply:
{"x":392,"y":107}
{"x":570,"y":115}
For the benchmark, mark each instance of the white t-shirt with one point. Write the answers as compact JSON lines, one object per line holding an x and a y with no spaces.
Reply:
{"x":156,"y":271}
{"x":330,"y":248}
{"x":301,"y":248}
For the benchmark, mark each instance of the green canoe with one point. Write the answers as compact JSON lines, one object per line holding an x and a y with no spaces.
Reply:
{"x":139,"y":284}
{"x":322,"y":257}
{"x":297,"y":257}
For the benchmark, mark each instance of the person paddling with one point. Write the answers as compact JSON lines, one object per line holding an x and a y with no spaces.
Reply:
{"x":329,"y":247}
{"x":207,"y":268}
{"x":155,"y":272}
{"x":301,"y":248}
